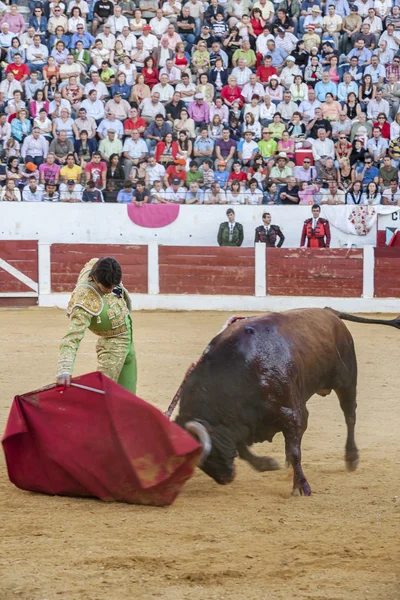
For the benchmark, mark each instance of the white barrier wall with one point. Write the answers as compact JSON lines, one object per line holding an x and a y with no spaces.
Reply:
{"x":194,"y":225}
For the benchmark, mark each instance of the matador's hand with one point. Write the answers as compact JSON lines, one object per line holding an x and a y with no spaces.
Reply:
{"x":64,"y":380}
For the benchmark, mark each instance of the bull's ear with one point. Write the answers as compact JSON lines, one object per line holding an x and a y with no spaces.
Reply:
{"x":200,"y":433}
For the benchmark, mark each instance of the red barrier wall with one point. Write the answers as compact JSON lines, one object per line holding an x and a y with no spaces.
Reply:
{"x":22,"y":255}
{"x":205,"y":270}
{"x":387,"y":273}
{"x":67,"y":260}
{"x":314,"y":272}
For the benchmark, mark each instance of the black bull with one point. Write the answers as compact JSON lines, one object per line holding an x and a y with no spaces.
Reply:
{"x":255,"y":379}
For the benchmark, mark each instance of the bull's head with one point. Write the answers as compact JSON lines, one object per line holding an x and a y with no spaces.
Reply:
{"x":217,"y":457}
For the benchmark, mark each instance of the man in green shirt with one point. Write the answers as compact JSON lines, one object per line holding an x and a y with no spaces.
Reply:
{"x":244,"y":52}
{"x":267,"y":145}
{"x":111,"y":144}
{"x":194,"y":175}
{"x":281,"y":172}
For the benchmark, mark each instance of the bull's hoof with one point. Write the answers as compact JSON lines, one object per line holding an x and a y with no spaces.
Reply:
{"x":351,"y":465}
{"x":264,"y":463}
{"x":303,"y":490}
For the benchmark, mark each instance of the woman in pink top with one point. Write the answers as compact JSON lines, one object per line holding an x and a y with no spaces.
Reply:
{"x":331,"y":108}
{"x":307,"y":193}
{"x":14,"y":19}
{"x":286,"y":145}
{"x":333,"y":70}
{"x":274,"y":90}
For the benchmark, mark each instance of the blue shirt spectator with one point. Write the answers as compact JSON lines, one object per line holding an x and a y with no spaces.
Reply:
{"x":325,"y":86}
{"x":86,"y":39}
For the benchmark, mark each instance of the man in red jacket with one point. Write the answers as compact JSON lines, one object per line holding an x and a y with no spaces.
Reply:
{"x":316,"y":230}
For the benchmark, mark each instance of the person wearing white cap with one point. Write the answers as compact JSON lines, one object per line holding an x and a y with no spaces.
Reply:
{"x":289,"y":72}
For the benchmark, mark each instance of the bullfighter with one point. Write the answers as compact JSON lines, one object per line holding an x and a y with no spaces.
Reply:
{"x":100,"y":303}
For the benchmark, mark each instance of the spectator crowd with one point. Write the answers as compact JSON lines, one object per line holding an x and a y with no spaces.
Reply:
{"x":220,"y":102}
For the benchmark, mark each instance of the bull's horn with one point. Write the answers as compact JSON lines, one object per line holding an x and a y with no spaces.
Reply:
{"x":201,"y":433}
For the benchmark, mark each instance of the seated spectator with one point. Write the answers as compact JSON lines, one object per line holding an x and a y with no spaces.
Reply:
{"x":32,"y":192}
{"x":332,"y":195}
{"x":391,"y":194}
{"x":50,"y":193}
{"x":71,"y":191}
{"x":91,"y":193}
{"x":140,"y":195}
{"x":372,"y":196}
{"x":175,"y":193}
{"x":355,"y":194}
{"x":289,"y":193}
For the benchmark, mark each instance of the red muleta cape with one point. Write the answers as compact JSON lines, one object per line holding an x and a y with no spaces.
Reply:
{"x":112,"y":446}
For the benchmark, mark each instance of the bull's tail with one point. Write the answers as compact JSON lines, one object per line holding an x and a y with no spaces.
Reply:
{"x":348,"y":317}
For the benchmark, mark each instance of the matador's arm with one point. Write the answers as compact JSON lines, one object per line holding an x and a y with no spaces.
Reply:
{"x":80,"y":320}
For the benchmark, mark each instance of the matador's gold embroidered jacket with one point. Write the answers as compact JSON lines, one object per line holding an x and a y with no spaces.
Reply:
{"x":107,"y":316}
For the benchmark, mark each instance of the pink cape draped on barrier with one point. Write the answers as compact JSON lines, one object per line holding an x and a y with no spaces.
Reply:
{"x":111,"y":446}
{"x":153,"y":215}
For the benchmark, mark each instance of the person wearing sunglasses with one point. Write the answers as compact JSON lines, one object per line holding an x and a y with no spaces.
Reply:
{"x":367,"y":173}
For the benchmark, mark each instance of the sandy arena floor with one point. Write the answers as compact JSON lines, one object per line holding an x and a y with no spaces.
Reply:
{"x":250,"y":540}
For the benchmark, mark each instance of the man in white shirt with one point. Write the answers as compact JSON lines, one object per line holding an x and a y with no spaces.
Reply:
{"x":323,"y":148}
{"x":119,"y":107}
{"x":164,"y":89}
{"x":377,"y":71}
{"x":159,"y":24}
{"x":332,"y":25}
{"x":110,"y":122}
{"x":247,"y":149}
{"x":175,"y":194}
{"x":374,"y":22}
{"x":267,"y":9}
{"x":96,"y":84}
{"x":134,"y":151}
{"x":9,"y":85}
{"x":186,"y":88}
{"x":378,"y":105}
{"x":150,"y":41}
{"x":117,"y":21}
{"x":128,"y":39}
{"x":57,"y":104}
{"x":241,"y":72}
{"x":251,"y":88}
{"x":35,"y":147}
{"x":287,"y":107}
{"x":150,"y":107}
{"x":172,"y":72}
{"x":79,"y":4}
{"x":155,"y":171}
{"x":286,"y":41}
{"x":107,"y":37}
{"x":261,"y":43}
{"x":71,"y":191}
{"x":58,"y":19}
{"x":32,"y":192}
{"x":69,"y":69}
{"x":36,"y":54}
{"x":171,"y":9}
{"x":363,"y":7}
{"x":94,"y":107}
